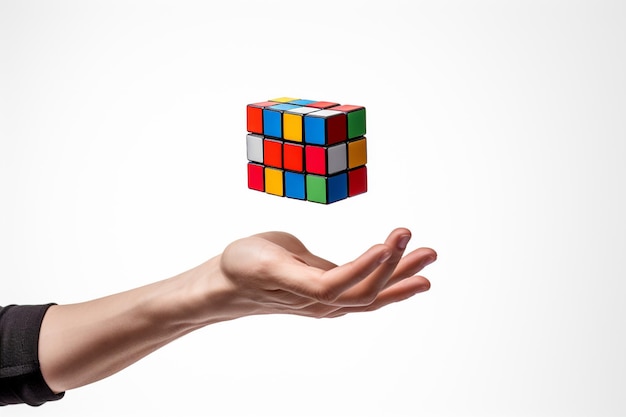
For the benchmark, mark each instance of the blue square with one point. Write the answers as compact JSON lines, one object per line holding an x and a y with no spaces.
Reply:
{"x":283,"y":107}
{"x":337,"y":187}
{"x":301,"y":102}
{"x":294,"y":185}
{"x":315,"y":130}
{"x":272,"y":123}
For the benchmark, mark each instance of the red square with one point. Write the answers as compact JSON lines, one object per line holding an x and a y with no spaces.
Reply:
{"x":293,"y":156}
{"x":322,"y":104}
{"x":315,"y":157}
{"x":357,"y":181}
{"x":347,"y":108}
{"x":255,"y":119}
{"x":336,"y":129}
{"x":255,"y":177}
{"x":273,"y":153}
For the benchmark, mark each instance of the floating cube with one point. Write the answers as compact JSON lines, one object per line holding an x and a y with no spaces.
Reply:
{"x":306,"y":149}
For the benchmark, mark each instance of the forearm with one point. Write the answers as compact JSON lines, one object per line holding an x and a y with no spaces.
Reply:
{"x":83,"y":343}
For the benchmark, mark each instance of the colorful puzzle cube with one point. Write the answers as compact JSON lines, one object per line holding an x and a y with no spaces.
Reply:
{"x":306,"y":149}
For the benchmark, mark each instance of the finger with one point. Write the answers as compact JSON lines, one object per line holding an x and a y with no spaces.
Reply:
{"x":411,"y":264}
{"x":401,"y":291}
{"x":367,"y":290}
{"x":327,"y":286}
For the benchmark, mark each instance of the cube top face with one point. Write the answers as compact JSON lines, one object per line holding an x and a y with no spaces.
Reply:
{"x":306,"y":149}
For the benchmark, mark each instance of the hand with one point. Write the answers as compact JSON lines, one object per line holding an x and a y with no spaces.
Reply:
{"x":274,"y":272}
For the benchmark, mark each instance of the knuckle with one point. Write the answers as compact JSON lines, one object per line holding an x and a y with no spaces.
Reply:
{"x":326,"y":295}
{"x":367,"y":298}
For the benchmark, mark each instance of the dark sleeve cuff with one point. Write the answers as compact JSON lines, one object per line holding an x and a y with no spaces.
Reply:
{"x":21,"y":380}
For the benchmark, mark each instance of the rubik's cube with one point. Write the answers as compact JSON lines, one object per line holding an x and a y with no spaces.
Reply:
{"x":306,"y":149}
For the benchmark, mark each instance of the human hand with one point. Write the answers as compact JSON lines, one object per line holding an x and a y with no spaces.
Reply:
{"x":274,"y":272}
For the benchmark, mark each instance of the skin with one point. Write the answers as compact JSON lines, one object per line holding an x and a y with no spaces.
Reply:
{"x":267,"y":273}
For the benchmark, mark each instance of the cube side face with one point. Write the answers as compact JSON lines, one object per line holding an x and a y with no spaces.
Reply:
{"x":357,"y":181}
{"x":274,"y":181}
{"x":357,"y":153}
{"x":256,"y":178}
{"x":336,"y":129}
{"x":337,"y":187}
{"x":337,"y":160}
{"x":356,"y":123}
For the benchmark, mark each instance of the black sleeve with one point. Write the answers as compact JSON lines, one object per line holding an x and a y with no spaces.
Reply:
{"x":20,"y":376}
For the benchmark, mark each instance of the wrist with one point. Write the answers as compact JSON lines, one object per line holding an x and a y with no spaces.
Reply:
{"x":202,"y":296}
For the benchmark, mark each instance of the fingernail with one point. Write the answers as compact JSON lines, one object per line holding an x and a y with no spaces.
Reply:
{"x":384,"y":257}
{"x":404,"y":240}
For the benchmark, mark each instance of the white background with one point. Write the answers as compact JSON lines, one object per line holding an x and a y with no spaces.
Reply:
{"x":496,"y":134}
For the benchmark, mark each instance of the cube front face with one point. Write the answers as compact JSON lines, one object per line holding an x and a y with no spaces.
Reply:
{"x":306,"y":149}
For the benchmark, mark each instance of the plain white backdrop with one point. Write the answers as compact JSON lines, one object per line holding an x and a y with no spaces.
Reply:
{"x":496,"y":132}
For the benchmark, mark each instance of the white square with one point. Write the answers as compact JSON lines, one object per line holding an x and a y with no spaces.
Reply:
{"x":303,"y":110}
{"x":325,"y":113}
{"x":254,"y":145}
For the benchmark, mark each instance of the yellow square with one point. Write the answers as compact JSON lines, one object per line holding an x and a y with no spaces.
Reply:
{"x":274,"y":181}
{"x":284,"y":99}
{"x":357,"y":153}
{"x":292,"y":127}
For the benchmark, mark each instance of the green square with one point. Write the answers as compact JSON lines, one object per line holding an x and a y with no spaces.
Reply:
{"x":356,"y":123}
{"x":316,"y":188}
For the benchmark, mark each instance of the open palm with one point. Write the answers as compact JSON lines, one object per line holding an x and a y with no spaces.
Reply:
{"x":275,"y":273}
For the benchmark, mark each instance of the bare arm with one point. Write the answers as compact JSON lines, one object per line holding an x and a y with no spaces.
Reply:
{"x":263,"y":274}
